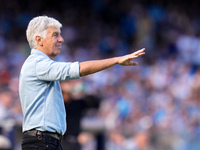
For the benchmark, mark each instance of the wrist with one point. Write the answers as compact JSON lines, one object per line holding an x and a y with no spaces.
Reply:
{"x":116,"y":60}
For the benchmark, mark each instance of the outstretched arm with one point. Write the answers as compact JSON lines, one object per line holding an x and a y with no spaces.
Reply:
{"x":89,"y":67}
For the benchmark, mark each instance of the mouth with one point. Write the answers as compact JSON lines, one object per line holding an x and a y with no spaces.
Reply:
{"x":59,"y":46}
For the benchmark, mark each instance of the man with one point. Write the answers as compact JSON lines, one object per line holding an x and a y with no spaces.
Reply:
{"x":41,"y":97}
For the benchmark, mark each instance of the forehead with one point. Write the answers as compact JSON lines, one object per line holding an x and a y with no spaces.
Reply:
{"x":53,"y":29}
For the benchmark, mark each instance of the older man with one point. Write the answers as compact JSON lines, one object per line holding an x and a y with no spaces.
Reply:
{"x":41,"y":98}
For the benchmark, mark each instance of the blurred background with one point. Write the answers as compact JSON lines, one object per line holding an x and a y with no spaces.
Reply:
{"x":153,"y":106}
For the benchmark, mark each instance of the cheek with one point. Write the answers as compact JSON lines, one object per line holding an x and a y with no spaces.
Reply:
{"x":50,"y":45}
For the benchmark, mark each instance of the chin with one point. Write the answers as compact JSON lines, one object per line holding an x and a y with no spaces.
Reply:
{"x":58,"y":50}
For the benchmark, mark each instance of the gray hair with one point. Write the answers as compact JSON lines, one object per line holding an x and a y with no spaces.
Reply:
{"x":38,"y":27}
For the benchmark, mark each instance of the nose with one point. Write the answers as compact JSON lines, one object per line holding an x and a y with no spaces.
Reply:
{"x":61,"y":40}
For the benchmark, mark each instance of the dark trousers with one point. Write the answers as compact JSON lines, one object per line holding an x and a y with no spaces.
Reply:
{"x":43,"y":142}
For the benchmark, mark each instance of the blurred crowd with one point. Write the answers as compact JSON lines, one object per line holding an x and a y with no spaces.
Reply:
{"x":153,"y":106}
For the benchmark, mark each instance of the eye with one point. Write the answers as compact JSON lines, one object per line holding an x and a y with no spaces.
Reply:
{"x":55,"y":34}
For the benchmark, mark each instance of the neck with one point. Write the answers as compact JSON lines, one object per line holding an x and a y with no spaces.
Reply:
{"x":44,"y":51}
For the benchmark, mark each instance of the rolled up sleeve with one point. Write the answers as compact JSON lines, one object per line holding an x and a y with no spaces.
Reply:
{"x":74,"y":72}
{"x":50,"y":70}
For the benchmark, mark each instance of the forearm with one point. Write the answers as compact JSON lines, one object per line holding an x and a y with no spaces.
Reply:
{"x":89,"y":67}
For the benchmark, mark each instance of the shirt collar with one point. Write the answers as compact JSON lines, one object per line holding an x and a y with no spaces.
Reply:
{"x":36,"y":51}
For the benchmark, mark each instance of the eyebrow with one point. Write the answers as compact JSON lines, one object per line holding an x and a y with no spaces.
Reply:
{"x":56,"y":33}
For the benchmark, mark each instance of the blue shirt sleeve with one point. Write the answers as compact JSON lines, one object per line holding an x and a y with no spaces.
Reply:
{"x":49,"y":70}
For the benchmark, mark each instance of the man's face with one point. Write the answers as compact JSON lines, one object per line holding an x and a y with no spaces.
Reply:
{"x":52,"y":43}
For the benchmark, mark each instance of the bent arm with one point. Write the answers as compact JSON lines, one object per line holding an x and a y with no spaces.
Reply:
{"x":90,"y":67}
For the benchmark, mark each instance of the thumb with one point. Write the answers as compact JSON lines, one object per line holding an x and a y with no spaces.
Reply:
{"x":133,"y":63}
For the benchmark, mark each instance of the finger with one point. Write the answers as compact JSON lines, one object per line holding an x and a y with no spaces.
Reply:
{"x":140,"y":51}
{"x":133,"y":63}
{"x":133,"y":55}
{"x":140,"y":54}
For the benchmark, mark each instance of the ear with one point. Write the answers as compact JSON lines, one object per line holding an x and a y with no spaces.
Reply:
{"x":39,"y":40}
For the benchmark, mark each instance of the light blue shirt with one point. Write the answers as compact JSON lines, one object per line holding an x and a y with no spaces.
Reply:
{"x":40,"y":93}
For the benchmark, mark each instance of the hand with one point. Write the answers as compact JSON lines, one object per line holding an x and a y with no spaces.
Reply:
{"x":126,"y":60}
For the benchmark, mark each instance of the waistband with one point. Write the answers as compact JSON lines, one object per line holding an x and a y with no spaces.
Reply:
{"x":38,"y":133}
